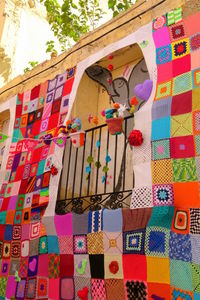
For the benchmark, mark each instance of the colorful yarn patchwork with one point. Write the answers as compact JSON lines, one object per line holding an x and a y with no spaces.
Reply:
{"x":140,"y":253}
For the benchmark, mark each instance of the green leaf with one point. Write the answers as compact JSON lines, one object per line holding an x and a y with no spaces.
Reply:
{"x":105,"y":169}
{"x":111,"y":3}
{"x":90,"y":159}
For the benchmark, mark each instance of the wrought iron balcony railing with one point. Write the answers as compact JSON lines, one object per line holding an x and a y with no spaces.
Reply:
{"x":109,"y":183}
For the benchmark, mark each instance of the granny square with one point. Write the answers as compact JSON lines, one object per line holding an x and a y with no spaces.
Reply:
{"x":163,"y":194}
{"x":156,"y":243}
{"x":160,"y":149}
{"x":133,"y":241}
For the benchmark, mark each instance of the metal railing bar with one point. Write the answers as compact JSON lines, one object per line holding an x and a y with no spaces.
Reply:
{"x":82,"y":168}
{"x":74,"y":172}
{"x":99,"y":148}
{"x":115,"y":163}
{"x":69,"y":161}
{"x":107,"y":150}
{"x":91,"y":147}
{"x":124,"y":155}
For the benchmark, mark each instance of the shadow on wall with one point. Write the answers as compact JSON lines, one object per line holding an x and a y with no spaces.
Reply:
{"x":5,"y":67}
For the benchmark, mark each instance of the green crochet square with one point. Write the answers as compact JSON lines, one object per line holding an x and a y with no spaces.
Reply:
{"x":180,"y":275}
{"x":184,"y":170}
{"x":160,"y":149}
{"x":3,"y":284}
{"x":195,"y":270}
{"x":162,"y":216}
{"x":182,"y":83}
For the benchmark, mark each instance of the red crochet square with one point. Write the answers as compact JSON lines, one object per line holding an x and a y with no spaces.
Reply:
{"x":135,"y":266}
{"x":53,"y":121}
{"x":36,"y":155}
{"x":35,"y":92}
{"x":182,"y":146}
{"x":68,"y":86}
{"x":164,"y":72}
{"x":181,"y":104}
{"x":66,"y":265}
{"x":181,"y":65}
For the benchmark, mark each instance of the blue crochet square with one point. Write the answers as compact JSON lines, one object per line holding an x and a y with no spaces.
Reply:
{"x":157,"y":241}
{"x":196,"y":296}
{"x":53,"y":246}
{"x":133,"y":242}
{"x":180,"y":247}
{"x":8,"y":232}
{"x":112,"y":220}
{"x":161,"y":128}
{"x":163,"y":54}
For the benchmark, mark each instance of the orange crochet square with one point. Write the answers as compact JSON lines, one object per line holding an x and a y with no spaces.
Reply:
{"x":160,"y":290}
{"x":158,"y":270}
{"x":186,"y":194}
{"x":10,"y":216}
{"x":162,"y":171}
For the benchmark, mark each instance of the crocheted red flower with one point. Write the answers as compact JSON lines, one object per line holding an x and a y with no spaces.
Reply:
{"x":54,"y":170}
{"x":114,"y":267}
{"x":135,"y":138}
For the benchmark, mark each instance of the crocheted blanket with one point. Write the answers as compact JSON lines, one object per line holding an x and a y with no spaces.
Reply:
{"x":148,"y":252}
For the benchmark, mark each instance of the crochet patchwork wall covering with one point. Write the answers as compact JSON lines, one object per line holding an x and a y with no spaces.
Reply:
{"x":141,"y":253}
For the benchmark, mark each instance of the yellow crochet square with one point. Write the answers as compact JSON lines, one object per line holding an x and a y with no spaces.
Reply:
{"x":95,"y":243}
{"x":162,"y":171}
{"x":180,"y":48}
{"x":158,"y":270}
{"x":196,"y":99}
{"x":181,"y":125}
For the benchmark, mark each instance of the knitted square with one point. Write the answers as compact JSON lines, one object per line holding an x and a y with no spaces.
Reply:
{"x":182,"y":147}
{"x":141,"y":197}
{"x":158,"y":270}
{"x":195,"y":42}
{"x":160,"y":149}
{"x":162,"y":217}
{"x":195,"y":243}
{"x":180,"y":48}
{"x":164,"y":90}
{"x":163,"y":54}
{"x":181,"y":125}
{"x":186,"y":194}
{"x":42,"y":287}
{"x":163,"y":194}
{"x":181,"y":221}
{"x":180,"y":247}
{"x":195,"y":99}
{"x":82,"y":265}
{"x":66,"y":289}
{"x":79,"y":284}
{"x":95,"y":221}
{"x":162,"y":171}
{"x":95,"y":243}
{"x":184,"y":170}
{"x":161,"y":108}
{"x":139,"y":270}
{"x":195,"y":221}
{"x":161,"y":128}
{"x":156,"y":242}
{"x":115,"y":289}
{"x":181,"y":65}
{"x":158,"y":290}
{"x":177,"y":31}
{"x":113,"y":266}
{"x":180,"y":274}
{"x":182,"y":83}
{"x":182,"y":104}
{"x":98,"y":289}
{"x":180,"y":294}
{"x":136,"y":290}
{"x":133,"y":241}
{"x":195,"y":270}
{"x":30,"y":288}
{"x":97,"y":266}
{"x":197,"y":144}
{"x":134,"y":219}
{"x":112,"y":242}
{"x":80,"y":244}
{"x":196,"y":78}
{"x":66,"y":244}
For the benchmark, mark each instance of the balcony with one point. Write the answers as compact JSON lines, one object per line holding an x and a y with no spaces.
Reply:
{"x":109,"y":183}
